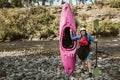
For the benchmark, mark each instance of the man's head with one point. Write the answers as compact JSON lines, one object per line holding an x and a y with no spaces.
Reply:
{"x":83,"y":31}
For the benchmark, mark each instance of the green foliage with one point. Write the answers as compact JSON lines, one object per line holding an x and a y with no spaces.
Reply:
{"x":4,"y":3}
{"x":22,"y":23}
{"x":19,"y":24}
{"x":107,"y":28}
{"x":114,"y":3}
{"x":23,"y":3}
{"x":84,"y":17}
{"x":16,"y":3}
{"x":74,"y":10}
{"x":90,"y":28}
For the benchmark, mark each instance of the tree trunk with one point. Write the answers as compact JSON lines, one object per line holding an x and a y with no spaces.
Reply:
{"x":38,"y":3}
{"x":62,"y":2}
{"x":51,"y":2}
{"x":83,"y":1}
{"x":43,"y":2}
{"x":30,"y":3}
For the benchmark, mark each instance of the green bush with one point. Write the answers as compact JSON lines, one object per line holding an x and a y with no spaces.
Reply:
{"x":114,"y":3}
{"x":19,"y":24}
{"x":22,"y":23}
{"x":90,"y":29}
{"x":107,"y":28}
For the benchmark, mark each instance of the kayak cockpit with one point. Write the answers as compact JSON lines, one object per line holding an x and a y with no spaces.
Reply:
{"x":67,"y":42}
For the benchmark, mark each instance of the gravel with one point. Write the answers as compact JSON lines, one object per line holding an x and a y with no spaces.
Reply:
{"x":21,"y":66}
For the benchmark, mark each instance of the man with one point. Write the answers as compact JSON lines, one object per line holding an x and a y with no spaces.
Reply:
{"x":83,"y":51}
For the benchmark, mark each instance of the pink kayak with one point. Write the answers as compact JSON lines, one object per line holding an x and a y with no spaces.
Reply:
{"x":67,"y":46}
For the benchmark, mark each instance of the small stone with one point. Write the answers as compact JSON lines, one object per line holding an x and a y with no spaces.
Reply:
{"x":72,"y":78}
{"x":78,"y":71}
{"x":21,"y":76}
{"x":108,"y":65}
{"x":119,"y":69}
{"x":38,"y":76}
{"x":100,"y":58}
{"x":24,"y":59}
{"x":2,"y":78}
{"x":80,"y":79}
{"x":105,"y":56}
{"x":10,"y":65}
{"x":2,"y":73}
{"x":1,"y":63}
{"x":99,"y":65}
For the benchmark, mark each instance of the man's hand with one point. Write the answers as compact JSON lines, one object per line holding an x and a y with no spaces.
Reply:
{"x":96,"y":40}
{"x":70,"y":31}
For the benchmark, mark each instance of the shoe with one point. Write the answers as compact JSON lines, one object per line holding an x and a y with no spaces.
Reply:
{"x":90,"y":74}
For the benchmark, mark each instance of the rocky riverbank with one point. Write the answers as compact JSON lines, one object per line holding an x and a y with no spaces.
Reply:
{"x":42,"y":67}
{"x":41,"y":61}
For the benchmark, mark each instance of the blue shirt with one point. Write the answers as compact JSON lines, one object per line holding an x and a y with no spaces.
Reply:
{"x":89,"y":37}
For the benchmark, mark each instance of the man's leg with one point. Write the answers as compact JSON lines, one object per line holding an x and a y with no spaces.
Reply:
{"x":89,"y":65}
{"x":83,"y":64}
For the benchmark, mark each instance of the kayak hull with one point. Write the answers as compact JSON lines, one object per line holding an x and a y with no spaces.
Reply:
{"x":68,"y":63}
{"x":67,"y":23}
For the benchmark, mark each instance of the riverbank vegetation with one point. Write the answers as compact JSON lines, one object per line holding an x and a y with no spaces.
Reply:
{"x":42,"y":22}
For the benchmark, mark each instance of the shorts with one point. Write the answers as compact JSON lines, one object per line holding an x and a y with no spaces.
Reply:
{"x":88,"y":56}
{"x":83,"y":53}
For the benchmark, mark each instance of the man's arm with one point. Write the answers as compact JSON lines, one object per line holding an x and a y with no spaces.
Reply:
{"x":92,"y":39}
{"x":74,"y":37}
